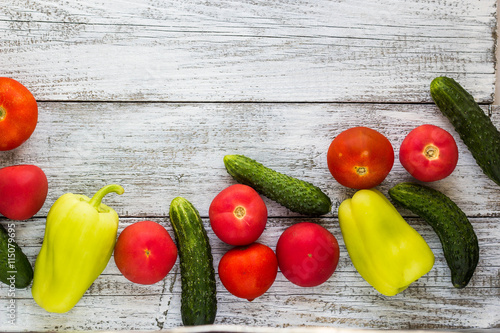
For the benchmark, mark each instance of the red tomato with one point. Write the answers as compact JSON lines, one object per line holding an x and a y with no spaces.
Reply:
{"x":145,"y":253}
{"x":23,"y":190}
{"x":429,"y":153}
{"x":238,"y":215}
{"x":360,"y":158}
{"x":248,"y":272}
{"x":18,"y":113}
{"x":308,"y":254}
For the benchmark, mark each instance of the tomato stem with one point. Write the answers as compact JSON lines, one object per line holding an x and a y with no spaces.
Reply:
{"x":431,"y":152}
{"x":3,"y":113}
{"x":239,"y":212}
{"x":361,"y":171}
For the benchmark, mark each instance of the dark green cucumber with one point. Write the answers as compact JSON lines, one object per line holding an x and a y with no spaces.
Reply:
{"x":457,"y":236}
{"x":15,"y":268}
{"x":475,"y":128}
{"x":297,"y":195}
{"x":199,"y":298}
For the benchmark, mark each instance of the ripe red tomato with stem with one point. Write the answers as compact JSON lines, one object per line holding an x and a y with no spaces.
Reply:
{"x":238,"y":215}
{"x":249,"y":271}
{"x":23,"y":190}
{"x":307,"y":253}
{"x":429,"y":153}
{"x":360,"y":158}
{"x":18,"y":113}
{"x":144,"y":252}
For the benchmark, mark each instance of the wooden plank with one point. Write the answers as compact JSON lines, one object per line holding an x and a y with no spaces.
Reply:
{"x":344,"y":301}
{"x":311,"y":50}
{"x":346,"y":63}
{"x":158,"y":151}
{"x":161,"y":150}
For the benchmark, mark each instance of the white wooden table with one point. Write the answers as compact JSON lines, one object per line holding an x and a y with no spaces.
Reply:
{"x":152,"y":94}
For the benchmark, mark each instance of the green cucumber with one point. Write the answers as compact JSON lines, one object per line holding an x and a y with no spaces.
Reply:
{"x":297,"y":195}
{"x":475,"y":128}
{"x":15,"y":268}
{"x":457,"y":236}
{"x":198,"y":298}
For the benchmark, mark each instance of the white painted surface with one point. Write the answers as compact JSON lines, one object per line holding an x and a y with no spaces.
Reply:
{"x":152,"y":95}
{"x":311,"y":50}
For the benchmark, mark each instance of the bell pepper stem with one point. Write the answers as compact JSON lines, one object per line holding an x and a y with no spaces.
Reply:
{"x":97,"y":198}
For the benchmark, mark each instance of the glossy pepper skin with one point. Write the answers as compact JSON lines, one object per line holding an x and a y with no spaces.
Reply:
{"x":386,"y":251}
{"x":80,"y":236}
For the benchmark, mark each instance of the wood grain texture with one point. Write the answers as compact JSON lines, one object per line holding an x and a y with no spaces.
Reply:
{"x":152,"y":94}
{"x":308,"y":50}
{"x":158,"y":151}
{"x":344,"y":301}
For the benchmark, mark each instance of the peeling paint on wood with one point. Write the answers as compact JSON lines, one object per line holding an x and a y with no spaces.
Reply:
{"x":152,"y":94}
{"x":158,"y":151}
{"x":311,"y":50}
{"x":344,"y":301}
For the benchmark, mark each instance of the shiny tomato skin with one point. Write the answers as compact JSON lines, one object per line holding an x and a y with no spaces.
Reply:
{"x":238,"y":215}
{"x":144,"y":252}
{"x":429,"y":153}
{"x":360,"y":158}
{"x":308,"y":254}
{"x":249,"y":271}
{"x":18,"y":113}
{"x":23,"y":190}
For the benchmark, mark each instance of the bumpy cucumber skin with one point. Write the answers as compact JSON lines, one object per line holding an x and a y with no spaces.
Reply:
{"x":457,"y":236}
{"x":22,"y":270}
{"x":199,"y":295}
{"x":475,"y":128}
{"x":297,"y":195}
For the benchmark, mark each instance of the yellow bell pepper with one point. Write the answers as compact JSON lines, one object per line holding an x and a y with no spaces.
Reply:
{"x":386,"y":251}
{"x":80,"y":235}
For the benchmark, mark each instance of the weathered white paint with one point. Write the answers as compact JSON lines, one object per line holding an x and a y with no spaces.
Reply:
{"x":344,"y":301}
{"x":158,"y":151}
{"x":308,"y":50}
{"x":148,"y":94}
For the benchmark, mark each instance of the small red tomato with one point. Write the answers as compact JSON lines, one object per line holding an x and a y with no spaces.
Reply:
{"x":144,"y":252}
{"x":429,"y":153}
{"x":248,"y":272}
{"x":360,"y":158}
{"x":308,"y":254}
{"x":18,"y":113}
{"x":238,"y":215}
{"x":23,"y":190}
